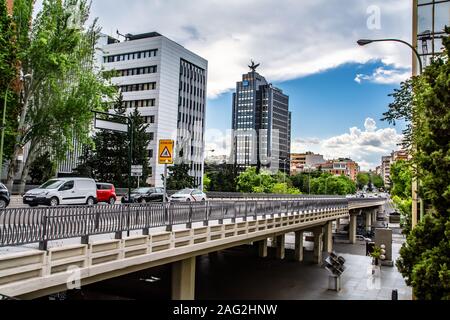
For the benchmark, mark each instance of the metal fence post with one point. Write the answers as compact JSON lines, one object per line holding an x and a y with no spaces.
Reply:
{"x":233,"y":220}
{"x":222,"y":213}
{"x":145,"y":229}
{"x":118,"y":234}
{"x":85,"y":237}
{"x":189,"y":224}
{"x":207,"y":206}
{"x":43,"y":242}
{"x":245,"y":210}
{"x":168,"y":214}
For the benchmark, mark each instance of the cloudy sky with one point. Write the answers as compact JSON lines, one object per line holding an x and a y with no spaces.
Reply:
{"x":338,"y":90}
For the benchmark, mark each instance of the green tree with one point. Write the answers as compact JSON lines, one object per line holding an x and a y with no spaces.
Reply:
{"x":107,"y":158}
{"x":178,"y":177}
{"x":424,"y":100}
{"x":222,"y":177}
{"x":329,"y":184}
{"x":377,"y":181}
{"x":362,"y":180}
{"x":8,"y":73}
{"x":206,"y":182}
{"x":401,"y":179}
{"x":63,"y":85}
{"x":42,"y":169}
{"x":302,"y":180}
{"x":141,"y":139}
{"x":251,"y":181}
{"x":284,"y":188}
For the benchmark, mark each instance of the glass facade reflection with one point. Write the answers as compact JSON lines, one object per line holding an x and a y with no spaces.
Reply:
{"x":261,"y":124}
{"x":432,"y":17}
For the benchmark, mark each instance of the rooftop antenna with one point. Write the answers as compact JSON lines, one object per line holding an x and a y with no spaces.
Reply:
{"x":119,"y":34}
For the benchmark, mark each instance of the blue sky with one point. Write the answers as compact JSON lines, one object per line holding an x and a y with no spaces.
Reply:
{"x":338,"y":90}
{"x":324,"y":107}
{"x":323,"y":104}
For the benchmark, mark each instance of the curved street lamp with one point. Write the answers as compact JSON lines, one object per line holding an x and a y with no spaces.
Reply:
{"x":363,"y":42}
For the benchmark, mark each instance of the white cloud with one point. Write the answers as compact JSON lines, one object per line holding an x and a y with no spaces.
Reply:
{"x":290,"y":38}
{"x":384,"y":76}
{"x":370,"y":125}
{"x":364,"y":146}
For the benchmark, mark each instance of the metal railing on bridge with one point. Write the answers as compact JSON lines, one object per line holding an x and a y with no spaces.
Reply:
{"x":30,"y":225}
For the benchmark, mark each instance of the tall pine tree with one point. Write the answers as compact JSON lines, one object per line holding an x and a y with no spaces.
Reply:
{"x":108,"y":160}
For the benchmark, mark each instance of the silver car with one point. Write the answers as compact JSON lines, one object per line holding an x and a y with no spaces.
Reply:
{"x":186,"y":195}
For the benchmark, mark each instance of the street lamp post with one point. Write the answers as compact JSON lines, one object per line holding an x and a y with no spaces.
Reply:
{"x":414,"y":187}
{"x":363,"y":42}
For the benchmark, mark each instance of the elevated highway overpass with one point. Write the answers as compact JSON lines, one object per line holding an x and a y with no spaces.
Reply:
{"x":172,"y":233}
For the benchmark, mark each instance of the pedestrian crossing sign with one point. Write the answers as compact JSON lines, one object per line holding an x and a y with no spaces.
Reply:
{"x":166,"y":151}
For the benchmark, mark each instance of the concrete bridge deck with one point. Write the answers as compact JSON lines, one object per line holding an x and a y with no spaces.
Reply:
{"x":36,"y":273}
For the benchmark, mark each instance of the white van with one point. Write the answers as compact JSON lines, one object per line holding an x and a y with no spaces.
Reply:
{"x":64,"y":191}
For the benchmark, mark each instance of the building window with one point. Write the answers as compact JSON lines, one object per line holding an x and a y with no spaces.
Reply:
{"x":151,"y":136}
{"x":150,"y":153}
{"x":131,"y":56}
{"x":139,"y":103}
{"x":137,"y":71}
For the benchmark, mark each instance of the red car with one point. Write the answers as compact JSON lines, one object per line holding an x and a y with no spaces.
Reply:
{"x":106,"y":193}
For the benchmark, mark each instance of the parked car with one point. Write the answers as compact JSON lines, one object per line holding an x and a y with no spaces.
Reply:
{"x":147,"y":194}
{"x":4,"y":196}
{"x":65,"y":191}
{"x":188,"y":195}
{"x":106,"y":193}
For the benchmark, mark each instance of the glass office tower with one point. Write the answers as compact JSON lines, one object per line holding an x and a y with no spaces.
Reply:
{"x":261,"y":124}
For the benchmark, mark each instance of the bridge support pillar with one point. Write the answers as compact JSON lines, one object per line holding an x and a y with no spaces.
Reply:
{"x":374,"y":215}
{"x":298,"y":255}
{"x":318,"y":248}
{"x":352,"y":228}
{"x":280,"y":246}
{"x":183,"y":279}
{"x":369,"y":220}
{"x":262,"y":248}
{"x":328,"y":237}
{"x":338,"y":224}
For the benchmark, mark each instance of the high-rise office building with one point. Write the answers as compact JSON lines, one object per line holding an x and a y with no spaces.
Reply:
{"x":168,"y":84}
{"x":261,"y":123}
{"x":429,"y":19}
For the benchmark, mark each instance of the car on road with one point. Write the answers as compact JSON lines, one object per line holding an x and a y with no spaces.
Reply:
{"x":4,"y":196}
{"x":145,"y":194}
{"x":64,"y":191}
{"x":106,"y":192}
{"x":187,"y":195}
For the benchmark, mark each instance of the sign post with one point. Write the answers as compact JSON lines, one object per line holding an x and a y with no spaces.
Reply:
{"x":136,"y":171}
{"x":165,"y":157}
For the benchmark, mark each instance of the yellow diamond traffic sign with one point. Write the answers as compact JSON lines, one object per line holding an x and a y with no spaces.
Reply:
{"x":166,"y":151}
